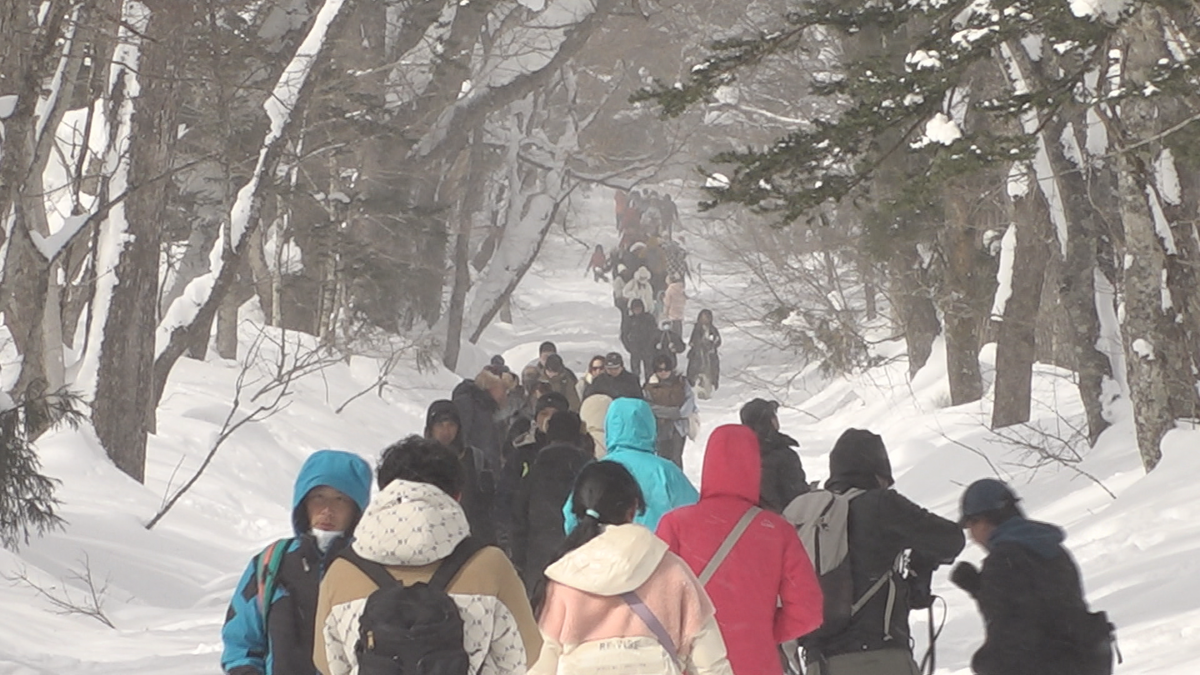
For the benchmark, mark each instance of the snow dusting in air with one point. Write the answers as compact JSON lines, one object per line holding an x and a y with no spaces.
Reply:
{"x":1136,"y":537}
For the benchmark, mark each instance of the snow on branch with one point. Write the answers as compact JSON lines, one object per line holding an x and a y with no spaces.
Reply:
{"x":287,"y":95}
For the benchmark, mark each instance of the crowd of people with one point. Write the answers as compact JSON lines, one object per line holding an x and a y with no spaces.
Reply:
{"x":542,"y":523}
{"x":548,"y":544}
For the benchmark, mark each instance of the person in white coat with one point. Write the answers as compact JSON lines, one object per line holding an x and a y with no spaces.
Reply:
{"x":639,"y":288}
{"x":617,"y":601}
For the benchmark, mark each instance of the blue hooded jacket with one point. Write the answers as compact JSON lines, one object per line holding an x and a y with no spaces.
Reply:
{"x":250,"y":645}
{"x":630,"y":432}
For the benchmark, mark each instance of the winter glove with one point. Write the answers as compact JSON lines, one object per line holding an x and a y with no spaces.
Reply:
{"x":966,"y":576}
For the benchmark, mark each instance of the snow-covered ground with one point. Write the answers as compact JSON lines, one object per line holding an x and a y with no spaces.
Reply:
{"x":1136,"y":537}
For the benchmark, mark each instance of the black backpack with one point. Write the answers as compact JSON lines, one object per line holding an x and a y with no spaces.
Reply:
{"x":412,"y":630}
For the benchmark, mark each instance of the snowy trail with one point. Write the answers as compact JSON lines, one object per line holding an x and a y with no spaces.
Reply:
{"x":168,"y":588}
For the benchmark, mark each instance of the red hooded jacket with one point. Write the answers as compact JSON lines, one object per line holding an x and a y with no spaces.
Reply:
{"x":765,"y":591}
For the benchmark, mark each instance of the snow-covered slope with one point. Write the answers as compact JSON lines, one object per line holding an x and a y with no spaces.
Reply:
{"x":1136,"y":537}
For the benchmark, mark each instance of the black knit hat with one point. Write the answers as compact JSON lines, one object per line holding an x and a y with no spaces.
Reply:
{"x":440,"y":411}
{"x":551,"y":400}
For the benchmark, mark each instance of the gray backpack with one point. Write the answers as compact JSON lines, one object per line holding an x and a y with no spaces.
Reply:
{"x":822,"y":518}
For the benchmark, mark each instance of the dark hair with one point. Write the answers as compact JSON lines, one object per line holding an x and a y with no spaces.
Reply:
{"x":604,"y":494}
{"x":564,"y":426}
{"x":663,"y":361}
{"x":420,"y":460}
{"x":636,"y":302}
{"x":547,"y":346}
{"x":554,"y":363}
{"x":498,"y":361}
{"x":703,"y":313}
{"x":539,"y":389}
{"x":594,"y":359}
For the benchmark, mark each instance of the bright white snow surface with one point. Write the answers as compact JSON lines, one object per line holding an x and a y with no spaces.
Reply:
{"x":167,"y":589}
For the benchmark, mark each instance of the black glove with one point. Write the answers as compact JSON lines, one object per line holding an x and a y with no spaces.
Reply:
{"x":966,"y":577}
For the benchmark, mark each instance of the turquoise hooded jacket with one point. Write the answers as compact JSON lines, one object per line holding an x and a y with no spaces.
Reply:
{"x":630,"y":432}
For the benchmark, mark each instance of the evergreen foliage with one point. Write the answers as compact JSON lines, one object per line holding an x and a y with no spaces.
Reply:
{"x":27,"y":502}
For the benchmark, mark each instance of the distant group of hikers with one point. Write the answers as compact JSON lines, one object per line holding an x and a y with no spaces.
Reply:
{"x":524,"y":531}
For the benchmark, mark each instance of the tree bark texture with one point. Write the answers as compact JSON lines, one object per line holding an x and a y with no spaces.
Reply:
{"x":1016,"y":348}
{"x":916,"y":311}
{"x":123,"y":409}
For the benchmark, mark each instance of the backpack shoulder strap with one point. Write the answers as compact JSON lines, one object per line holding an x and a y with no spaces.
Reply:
{"x":466,"y":549}
{"x":647,"y":616}
{"x":267,"y":574}
{"x":726,"y":546}
{"x":376,"y":572}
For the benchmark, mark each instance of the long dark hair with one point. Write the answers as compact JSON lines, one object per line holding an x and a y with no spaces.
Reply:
{"x":605,"y":493}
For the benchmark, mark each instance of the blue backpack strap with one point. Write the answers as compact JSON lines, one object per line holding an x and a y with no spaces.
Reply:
{"x":267,"y":574}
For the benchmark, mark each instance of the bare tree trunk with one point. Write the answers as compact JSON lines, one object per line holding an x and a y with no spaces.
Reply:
{"x":1016,"y":348}
{"x":123,"y":409}
{"x":962,"y":322}
{"x":469,"y":207}
{"x":914,"y":307}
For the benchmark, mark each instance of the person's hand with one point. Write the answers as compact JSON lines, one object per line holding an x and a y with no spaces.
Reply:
{"x":965,"y":576}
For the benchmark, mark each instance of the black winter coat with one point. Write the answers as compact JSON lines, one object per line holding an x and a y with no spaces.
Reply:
{"x":538,"y":516}
{"x":477,"y":410}
{"x":783,"y":477}
{"x":625,"y":385}
{"x":882,"y":524}
{"x":1032,"y":603}
{"x":639,"y":333}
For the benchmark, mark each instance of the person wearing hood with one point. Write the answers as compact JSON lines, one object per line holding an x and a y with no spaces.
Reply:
{"x":630,"y":431}
{"x":268,"y":629}
{"x":883,"y":525}
{"x":764,"y":587}
{"x":411,"y":526}
{"x":592,"y":411}
{"x":675,"y":304}
{"x":783,"y":477}
{"x":639,"y":288}
{"x":482,"y":406}
{"x":537,"y":516}
{"x":479,"y":484}
{"x":1029,"y":593}
{"x":702,"y":351}
{"x":616,"y":600}
{"x":615,"y":381}
{"x":640,"y":337}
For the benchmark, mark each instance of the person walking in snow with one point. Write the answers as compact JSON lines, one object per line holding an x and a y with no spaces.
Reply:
{"x":1029,"y":593}
{"x":598,"y":264}
{"x":595,"y":367}
{"x":673,"y":403}
{"x":410,"y":528}
{"x":630,"y":432}
{"x":876,"y":639}
{"x":443,"y":425}
{"x":783,"y":477}
{"x":561,"y":380}
{"x":536,"y":369}
{"x":268,"y":629}
{"x":615,"y":381}
{"x":639,"y":289}
{"x":750,"y":560}
{"x":537,"y":517}
{"x":517,"y":460}
{"x":482,"y":404}
{"x":592,"y":411}
{"x":616,"y":600}
{"x":621,"y":277}
{"x":703,"y":358}
{"x":640,"y":337}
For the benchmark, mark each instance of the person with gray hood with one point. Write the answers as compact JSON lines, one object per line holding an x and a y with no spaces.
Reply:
{"x":883,"y":526}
